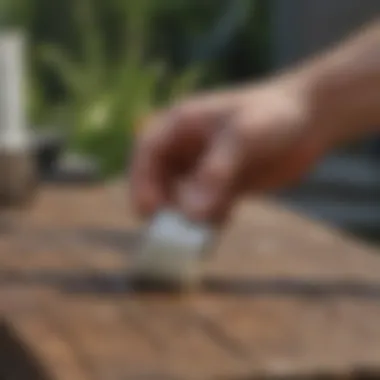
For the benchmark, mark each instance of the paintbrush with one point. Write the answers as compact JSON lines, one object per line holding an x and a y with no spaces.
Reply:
{"x":171,"y":252}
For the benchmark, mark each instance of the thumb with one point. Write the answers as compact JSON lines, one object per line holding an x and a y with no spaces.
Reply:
{"x":209,"y":191}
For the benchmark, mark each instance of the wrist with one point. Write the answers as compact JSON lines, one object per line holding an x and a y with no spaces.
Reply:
{"x":322,"y":118}
{"x":344,"y":107}
{"x":343,"y":86}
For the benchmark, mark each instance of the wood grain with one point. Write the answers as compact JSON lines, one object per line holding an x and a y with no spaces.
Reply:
{"x":282,"y":297}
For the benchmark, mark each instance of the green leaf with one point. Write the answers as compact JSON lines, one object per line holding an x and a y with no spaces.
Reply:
{"x":74,"y":80}
{"x":138,"y":20}
{"x":92,"y":39}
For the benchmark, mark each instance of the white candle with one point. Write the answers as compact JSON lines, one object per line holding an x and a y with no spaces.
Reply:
{"x":13,"y":128}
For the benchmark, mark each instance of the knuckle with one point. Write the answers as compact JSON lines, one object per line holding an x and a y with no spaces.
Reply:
{"x":218,"y":171}
{"x":179,"y":114}
{"x":185,"y":113}
{"x":255,"y":129}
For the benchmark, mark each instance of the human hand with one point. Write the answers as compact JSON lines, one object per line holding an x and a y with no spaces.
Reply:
{"x":204,"y":153}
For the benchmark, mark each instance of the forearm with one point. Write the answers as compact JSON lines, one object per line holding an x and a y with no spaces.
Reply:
{"x":344,"y":86}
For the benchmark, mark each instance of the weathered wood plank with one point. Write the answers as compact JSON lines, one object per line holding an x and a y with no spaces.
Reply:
{"x":59,"y":358}
{"x":282,"y":297}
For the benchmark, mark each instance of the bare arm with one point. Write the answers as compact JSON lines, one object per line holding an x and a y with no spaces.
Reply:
{"x":344,"y":85}
{"x":204,"y":153}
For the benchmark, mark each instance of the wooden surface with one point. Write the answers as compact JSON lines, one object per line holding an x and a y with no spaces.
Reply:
{"x":282,"y":297}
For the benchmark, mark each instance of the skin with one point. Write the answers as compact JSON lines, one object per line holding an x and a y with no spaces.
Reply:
{"x":203,"y":154}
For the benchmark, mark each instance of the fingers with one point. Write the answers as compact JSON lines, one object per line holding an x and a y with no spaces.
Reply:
{"x":168,"y":147}
{"x":209,"y":192}
{"x":217,"y":147}
{"x":148,"y":174}
{"x":236,"y":161}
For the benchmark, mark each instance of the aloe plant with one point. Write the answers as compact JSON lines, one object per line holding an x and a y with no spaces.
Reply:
{"x":15,"y":13}
{"x":106,"y":98}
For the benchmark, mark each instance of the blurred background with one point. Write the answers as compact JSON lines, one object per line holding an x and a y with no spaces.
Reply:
{"x":95,"y":68}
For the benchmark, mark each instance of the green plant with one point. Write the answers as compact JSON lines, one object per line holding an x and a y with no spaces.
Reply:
{"x":104,"y":97}
{"x":35,"y":99}
{"x":15,"y":12}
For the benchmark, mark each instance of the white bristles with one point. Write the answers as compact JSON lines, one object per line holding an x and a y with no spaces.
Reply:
{"x":171,"y":250}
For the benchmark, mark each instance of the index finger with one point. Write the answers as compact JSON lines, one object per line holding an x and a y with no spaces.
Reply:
{"x":147,"y":172}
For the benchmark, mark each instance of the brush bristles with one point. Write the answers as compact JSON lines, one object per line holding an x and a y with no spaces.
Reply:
{"x":171,"y":253}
